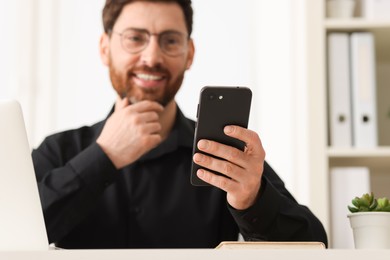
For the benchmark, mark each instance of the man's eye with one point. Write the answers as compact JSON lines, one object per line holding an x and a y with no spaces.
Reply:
{"x":172,"y":40}
{"x":135,"y":38}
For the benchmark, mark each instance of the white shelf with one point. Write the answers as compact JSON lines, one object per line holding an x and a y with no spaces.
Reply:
{"x":378,"y":152}
{"x":356,"y":23}
{"x":377,"y":159}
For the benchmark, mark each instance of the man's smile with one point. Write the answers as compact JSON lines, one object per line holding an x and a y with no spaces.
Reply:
{"x":149,"y":81}
{"x":148,"y":77}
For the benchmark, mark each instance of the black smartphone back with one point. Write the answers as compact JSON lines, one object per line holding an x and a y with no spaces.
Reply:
{"x":217,"y":108}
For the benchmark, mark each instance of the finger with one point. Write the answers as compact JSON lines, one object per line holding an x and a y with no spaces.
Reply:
{"x":149,"y":116}
{"x":121,"y":103}
{"x":218,"y":181}
{"x":222,"y":166}
{"x":150,"y":128}
{"x":223,"y":151}
{"x":249,"y":137}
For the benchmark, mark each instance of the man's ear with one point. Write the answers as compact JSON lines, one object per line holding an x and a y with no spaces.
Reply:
{"x":191,"y":53}
{"x":104,"y":48}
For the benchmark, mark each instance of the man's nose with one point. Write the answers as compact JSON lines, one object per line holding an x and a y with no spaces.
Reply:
{"x":152,"y":55}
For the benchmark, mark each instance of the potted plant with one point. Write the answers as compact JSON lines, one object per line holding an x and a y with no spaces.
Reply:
{"x":370,"y":221}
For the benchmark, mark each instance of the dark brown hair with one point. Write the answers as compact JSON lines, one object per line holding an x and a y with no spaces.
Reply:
{"x":113,"y":8}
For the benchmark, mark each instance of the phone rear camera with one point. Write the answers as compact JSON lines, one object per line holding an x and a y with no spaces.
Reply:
{"x":211,"y":96}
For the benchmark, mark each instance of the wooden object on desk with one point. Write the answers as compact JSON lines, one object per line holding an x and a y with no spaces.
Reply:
{"x":270,"y":245}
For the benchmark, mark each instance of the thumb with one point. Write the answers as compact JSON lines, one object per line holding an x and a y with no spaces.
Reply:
{"x":121,"y":103}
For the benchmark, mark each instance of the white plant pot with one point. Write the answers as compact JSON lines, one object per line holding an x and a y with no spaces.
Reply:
{"x":371,"y":230}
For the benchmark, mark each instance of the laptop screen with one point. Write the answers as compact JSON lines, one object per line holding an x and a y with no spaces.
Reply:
{"x":22,"y":225}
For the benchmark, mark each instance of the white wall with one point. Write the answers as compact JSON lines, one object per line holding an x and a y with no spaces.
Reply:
{"x":238,"y":42}
{"x":224,"y":49}
{"x":17,"y":76}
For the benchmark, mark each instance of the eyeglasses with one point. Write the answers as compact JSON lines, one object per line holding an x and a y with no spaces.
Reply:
{"x":172,"y":43}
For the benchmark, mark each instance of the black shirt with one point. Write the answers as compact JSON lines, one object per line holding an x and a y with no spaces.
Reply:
{"x":88,"y":203}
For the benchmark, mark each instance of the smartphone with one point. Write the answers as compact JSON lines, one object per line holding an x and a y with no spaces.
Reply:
{"x":218,"y":107}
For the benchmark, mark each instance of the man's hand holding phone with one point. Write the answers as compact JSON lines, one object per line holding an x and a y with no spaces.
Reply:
{"x":242,"y":169}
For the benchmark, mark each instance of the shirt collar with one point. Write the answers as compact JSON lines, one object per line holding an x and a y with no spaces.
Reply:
{"x":182,"y":135}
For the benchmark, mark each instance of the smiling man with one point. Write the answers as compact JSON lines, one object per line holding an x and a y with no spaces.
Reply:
{"x":125,"y":181}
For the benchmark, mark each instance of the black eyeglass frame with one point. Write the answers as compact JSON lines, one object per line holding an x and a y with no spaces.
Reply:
{"x":149,"y":35}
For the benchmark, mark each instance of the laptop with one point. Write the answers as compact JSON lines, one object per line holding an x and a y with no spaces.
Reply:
{"x":22,"y":225}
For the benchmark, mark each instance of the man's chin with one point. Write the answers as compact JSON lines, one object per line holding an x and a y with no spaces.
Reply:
{"x":164,"y":103}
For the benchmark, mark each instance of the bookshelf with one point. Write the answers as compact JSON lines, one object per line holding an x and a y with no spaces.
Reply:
{"x":355,"y":24}
{"x":322,"y":156}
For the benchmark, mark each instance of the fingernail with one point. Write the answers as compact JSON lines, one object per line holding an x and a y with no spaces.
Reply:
{"x":203,"y":144}
{"x":228,"y":129}
{"x":200,"y":173}
{"x":197,"y":157}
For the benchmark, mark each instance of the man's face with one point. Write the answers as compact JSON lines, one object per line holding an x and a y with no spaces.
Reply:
{"x":149,"y":74}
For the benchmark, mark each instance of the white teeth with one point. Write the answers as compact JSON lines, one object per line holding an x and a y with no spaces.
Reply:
{"x":148,"y":77}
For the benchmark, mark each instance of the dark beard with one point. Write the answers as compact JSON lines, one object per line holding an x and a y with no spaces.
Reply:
{"x":125,"y":88}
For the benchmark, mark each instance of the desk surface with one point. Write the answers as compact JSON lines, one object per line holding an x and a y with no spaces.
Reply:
{"x":197,"y":254}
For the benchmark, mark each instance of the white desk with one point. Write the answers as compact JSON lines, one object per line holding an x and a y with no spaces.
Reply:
{"x":198,"y":254}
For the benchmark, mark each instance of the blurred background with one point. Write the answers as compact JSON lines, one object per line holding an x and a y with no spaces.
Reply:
{"x":50,"y":63}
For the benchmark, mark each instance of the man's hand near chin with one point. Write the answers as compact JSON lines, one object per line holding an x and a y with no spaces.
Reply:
{"x":131,"y":131}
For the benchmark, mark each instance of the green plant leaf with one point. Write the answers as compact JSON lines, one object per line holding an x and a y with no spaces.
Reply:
{"x":383,"y":204}
{"x":368,"y":202}
{"x":353,"y":209}
{"x":356,"y":202}
{"x":373,"y":205}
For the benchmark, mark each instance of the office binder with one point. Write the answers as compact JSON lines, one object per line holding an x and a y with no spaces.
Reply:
{"x":363,"y":81}
{"x":346,"y":183}
{"x":340,"y":117}
{"x":375,"y":9}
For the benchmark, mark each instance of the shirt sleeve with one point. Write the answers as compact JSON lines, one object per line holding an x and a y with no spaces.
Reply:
{"x":276,"y":215}
{"x":69,"y":187}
